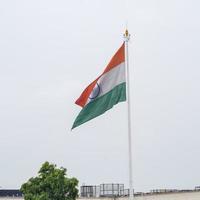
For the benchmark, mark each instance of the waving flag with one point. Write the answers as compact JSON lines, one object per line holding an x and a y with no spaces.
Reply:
{"x":105,"y":91}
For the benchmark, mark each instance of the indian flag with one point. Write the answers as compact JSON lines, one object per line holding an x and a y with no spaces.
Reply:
{"x":105,"y":91}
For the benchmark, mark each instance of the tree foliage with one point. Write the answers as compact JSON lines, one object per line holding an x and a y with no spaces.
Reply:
{"x":51,"y":183}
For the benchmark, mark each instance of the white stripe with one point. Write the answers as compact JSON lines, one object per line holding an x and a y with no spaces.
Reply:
{"x":108,"y":81}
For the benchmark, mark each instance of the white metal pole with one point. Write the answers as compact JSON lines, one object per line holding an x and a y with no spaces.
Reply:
{"x":127,"y":37}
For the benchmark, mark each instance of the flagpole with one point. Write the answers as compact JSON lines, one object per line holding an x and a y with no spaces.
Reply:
{"x":126,"y":38}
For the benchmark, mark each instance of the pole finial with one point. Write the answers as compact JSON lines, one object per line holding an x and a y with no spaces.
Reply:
{"x":126,"y":35}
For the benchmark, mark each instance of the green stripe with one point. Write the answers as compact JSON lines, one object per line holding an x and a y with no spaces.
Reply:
{"x":101,"y":104}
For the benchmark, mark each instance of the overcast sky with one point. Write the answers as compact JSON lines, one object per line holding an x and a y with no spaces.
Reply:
{"x":50,"y":50}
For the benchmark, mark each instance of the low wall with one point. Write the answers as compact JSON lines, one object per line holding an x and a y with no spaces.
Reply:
{"x":194,"y":195}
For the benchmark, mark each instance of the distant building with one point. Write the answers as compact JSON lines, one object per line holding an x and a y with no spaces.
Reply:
{"x":10,"y":194}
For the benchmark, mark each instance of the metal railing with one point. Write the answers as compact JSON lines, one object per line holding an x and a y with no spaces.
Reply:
{"x":103,"y":190}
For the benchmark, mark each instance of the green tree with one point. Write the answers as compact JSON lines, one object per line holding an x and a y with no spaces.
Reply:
{"x":51,"y":183}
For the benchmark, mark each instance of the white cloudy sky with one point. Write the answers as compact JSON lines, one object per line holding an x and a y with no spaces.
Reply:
{"x":51,"y":50}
